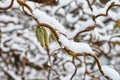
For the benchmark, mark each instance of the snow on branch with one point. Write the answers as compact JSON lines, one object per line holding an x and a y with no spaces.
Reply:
{"x":75,"y":46}
{"x":111,"y":73}
{"x":45,"y":18}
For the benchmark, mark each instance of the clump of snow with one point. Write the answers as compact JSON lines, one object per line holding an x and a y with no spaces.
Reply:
{"x":111,"y":73}
{"x":44,"y":18}
{"x":75,"y":46}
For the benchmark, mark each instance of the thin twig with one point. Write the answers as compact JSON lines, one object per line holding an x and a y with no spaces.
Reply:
{"x":106,"y":14}
{"x":89,"y":5}
{"x":73,"y":61}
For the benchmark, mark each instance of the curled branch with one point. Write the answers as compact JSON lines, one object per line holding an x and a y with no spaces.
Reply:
{"x":73,"y":60}
{"x":106,"y":14}
{"x":96,"y":59}
{"x":86,"y":30}
{"x":8,"y":7}
{"x":23,"y":4}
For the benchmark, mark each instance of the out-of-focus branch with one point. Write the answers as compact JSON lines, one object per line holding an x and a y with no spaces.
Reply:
{"x":106,"y":14}
{"x":86,"y":30}
{"x":0,"y":34}
{"x":5,"y":8}
{"x":89,"y":5}
{"x":7,"y":73}
{"x":73,"y":61}
{"x":7,"y":22}
{"x":96,"y":59}
{"x":47,"y":2}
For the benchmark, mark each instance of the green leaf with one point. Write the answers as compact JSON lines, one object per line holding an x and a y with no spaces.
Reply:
{"x":113,"y":3}
{"x":46,"y":36}
{"x":40,"y":36}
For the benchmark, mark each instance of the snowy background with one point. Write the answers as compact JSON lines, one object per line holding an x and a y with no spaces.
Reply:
{"x":22,"y":56}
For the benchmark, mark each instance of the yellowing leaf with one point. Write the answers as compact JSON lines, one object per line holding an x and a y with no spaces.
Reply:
{"x":117,"y":42}
{"x":117,"y":25}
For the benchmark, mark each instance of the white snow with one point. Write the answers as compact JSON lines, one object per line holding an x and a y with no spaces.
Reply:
{"x":11,"y":27}
{"x":16,"y":77}
{"x":12,"y":74}
{"x":97,"y":11}
{"x":61,"y":11}
{"x":102,"y":10}
{"x":8,"y":18}
{"x":71,"y":19}
{"x":111,"y":73}
{"x":15,"y":5}
{"x":75,"y":46}
{"x":45,"y":18}
{"x":27,"y":42}
{"x":5,"y":3}
{"x":33,"y":39}
{"x":114,"y":16}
